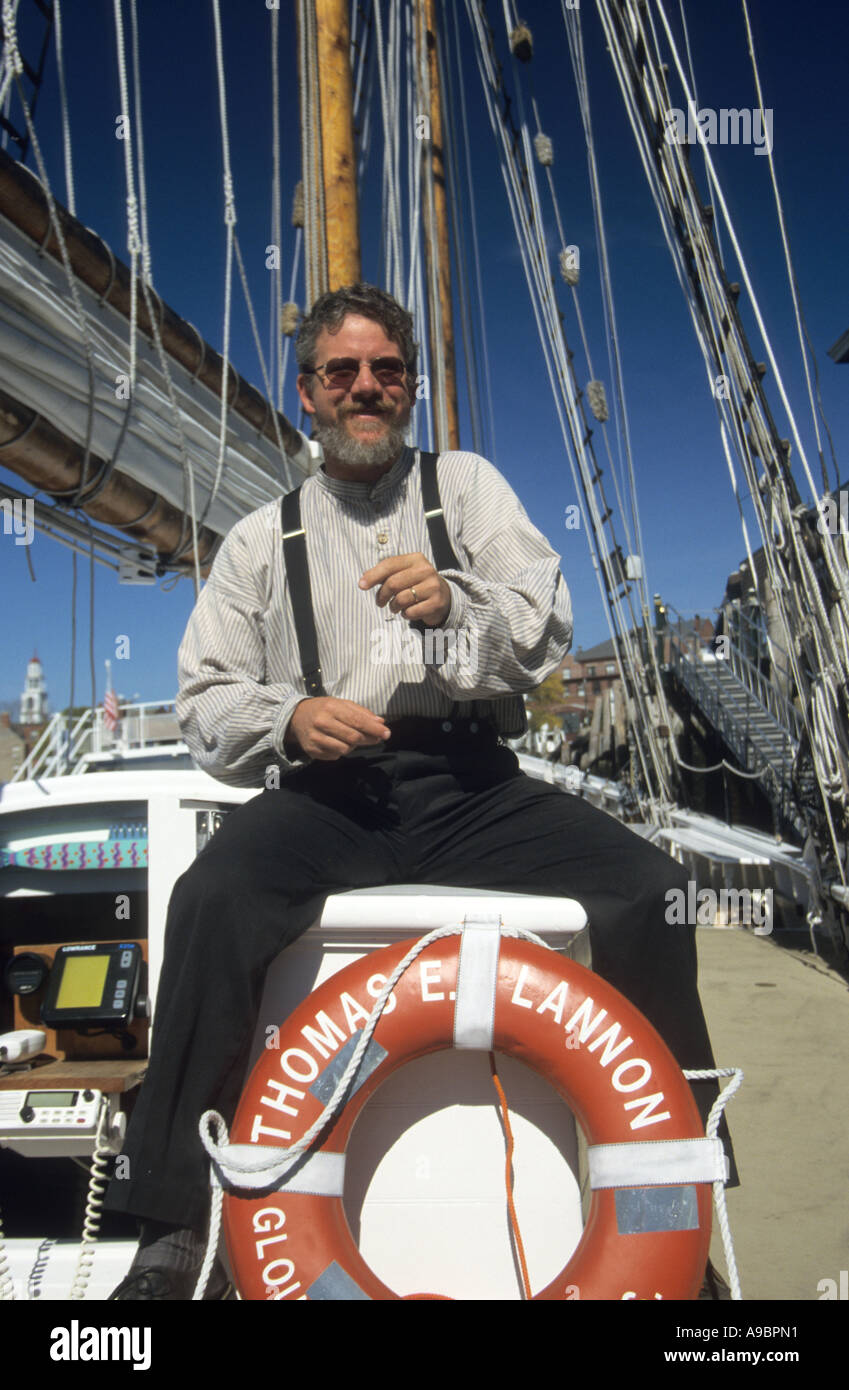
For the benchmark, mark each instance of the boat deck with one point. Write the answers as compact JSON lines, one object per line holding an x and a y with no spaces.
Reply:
{"x":783,"y":1017}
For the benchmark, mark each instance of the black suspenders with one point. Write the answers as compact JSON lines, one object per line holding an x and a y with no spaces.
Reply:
{"x":298,"y":572}
{"x":511,"y":708}
{"x":443,"y":552}
{"x":297,"y":568}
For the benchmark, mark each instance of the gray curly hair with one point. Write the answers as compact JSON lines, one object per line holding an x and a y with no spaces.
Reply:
{"x":330,"y":310}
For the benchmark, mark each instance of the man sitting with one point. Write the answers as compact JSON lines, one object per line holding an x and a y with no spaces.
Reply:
{"x":376,"y":770}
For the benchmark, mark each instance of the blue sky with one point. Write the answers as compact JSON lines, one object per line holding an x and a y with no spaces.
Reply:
{"x":691,"y":531}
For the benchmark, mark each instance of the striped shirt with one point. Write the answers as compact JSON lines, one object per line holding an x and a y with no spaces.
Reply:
{"x":509,"y":626}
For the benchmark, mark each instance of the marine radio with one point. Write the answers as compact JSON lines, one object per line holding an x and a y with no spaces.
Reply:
{"x":97,"y":983}
{"x":54,"y":1123}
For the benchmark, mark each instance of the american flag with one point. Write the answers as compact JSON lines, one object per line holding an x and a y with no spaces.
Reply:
{"x":110,"y":708}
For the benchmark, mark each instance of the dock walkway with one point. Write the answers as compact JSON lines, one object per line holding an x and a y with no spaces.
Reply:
{"x":783,"y":1017}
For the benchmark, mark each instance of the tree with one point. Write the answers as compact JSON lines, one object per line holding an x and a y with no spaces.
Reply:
{"x":545,"y":704}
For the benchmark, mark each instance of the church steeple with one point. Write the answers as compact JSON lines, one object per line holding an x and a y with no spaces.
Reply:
{"x":34,"y":696}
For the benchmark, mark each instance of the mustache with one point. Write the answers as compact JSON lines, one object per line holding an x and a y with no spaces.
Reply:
{"x":375,"y":409}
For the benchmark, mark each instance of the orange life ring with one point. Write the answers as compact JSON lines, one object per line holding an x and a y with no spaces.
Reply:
{"x":620,"y":1080}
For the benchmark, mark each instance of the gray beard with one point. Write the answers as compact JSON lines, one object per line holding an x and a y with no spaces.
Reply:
{"x":355,"y":453}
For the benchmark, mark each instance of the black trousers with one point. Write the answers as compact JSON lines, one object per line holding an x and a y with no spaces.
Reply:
{"x":460,"y":814}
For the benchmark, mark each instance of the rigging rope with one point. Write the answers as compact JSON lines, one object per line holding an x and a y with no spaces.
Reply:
{"x":74,"y":494}
{"x":63,"y":103}
{"x":91,"y":619}
{"x":742,"y":264}
{"x":316,"y":224}
{"x":363,"y":100}
{"x":147,"y":268}
{"x":275,"y":361}
{"x":791,"y":274}
{"x":416,"y":152}
{"x":528,"y":222}
{"x":696,"y":99}
{"x":258,"y":345}
{"x":15,"y":66}
{"x":801,"y":559}
{"x":438,"y":394}
{"x":471,"y":206}
{"x":230,"y":223}
{"x":574,"y":34}
{"x":571,"y":277}
{"x":133,"y":234}
{"x":296,"y":260}
{"x":10,"y":10}
{"x":188,"y":534}
{"x":73,"y":663}
{"x":718,"y":329}
{"x":233,"y":249}
{"x":391,"y":121}
{"x":457,"y":222}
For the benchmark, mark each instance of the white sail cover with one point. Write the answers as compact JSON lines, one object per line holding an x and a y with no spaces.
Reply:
{"x":43,"y":365}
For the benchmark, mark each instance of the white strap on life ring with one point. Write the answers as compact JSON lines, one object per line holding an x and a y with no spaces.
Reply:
{"x":477,"y":981}
{"x":247,"y":1166}
{"x":656,"y":1162}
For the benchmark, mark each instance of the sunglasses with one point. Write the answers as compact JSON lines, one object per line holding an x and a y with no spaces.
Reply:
{"x":340,"y":373}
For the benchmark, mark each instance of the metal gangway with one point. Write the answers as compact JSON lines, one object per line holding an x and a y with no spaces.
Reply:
{"x":737,"y":685}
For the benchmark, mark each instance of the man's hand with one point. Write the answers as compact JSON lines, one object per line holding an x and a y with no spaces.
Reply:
{"x":327,"y":728}
{"x":410,"y":585}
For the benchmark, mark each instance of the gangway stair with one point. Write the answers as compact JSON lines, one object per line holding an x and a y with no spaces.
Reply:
{"x":750,"y":713}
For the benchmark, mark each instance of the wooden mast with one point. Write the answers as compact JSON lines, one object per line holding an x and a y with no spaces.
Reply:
{"x":436,"y":231}
{"x":338,"y":155}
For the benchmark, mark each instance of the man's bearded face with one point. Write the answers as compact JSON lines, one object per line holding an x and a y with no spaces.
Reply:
{"x":362,"y":429}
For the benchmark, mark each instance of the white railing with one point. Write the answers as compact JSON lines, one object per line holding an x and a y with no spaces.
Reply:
{"x":64,"y":744}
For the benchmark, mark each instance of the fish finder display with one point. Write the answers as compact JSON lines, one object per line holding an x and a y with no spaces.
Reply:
{"x":82,"y":982}
{"x":93,"y":984}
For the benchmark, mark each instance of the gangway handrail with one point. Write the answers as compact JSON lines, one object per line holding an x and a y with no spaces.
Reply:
{"x":761,"y":632}
{"x":773,"y":771}
{"x":755,"y":684}
{"x":713,"y":690}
